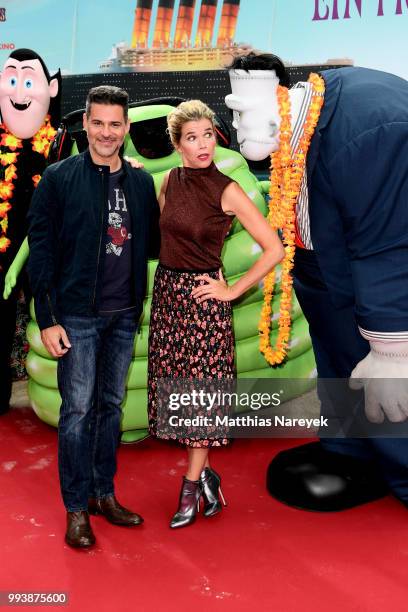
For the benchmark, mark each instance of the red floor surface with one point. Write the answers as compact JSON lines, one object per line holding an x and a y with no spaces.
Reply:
{"x":256,"y":555}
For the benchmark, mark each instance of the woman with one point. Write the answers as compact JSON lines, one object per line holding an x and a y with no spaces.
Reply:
{"x":191,"y":333}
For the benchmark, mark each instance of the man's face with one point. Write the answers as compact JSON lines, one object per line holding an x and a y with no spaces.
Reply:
{"x":256,"y":113}
{"x":106,"y":130}
{"x":25,"y":96}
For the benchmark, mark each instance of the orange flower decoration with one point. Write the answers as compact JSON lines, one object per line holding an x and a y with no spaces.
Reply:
{"x":10,"y":173}
{"x":41,"y":143}
{"x":42,"y":140}
{"x":286,"y":177}
{"x":4,"y":244}
{"x":6,"y":190}
{"x":36,"y":179}
{"x":10,"y":141}
{"x":4,"y":208}
{"x":8,"y":158}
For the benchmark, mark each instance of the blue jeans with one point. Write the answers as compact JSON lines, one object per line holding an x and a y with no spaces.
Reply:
{"x":91,"y":381}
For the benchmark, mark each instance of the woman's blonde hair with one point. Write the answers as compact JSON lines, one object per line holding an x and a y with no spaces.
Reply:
{"x":191,"y":110}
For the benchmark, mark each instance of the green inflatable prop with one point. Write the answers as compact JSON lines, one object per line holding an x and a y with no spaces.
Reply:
{"x":240,"y":252}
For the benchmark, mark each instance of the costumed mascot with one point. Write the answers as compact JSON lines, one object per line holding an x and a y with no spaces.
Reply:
{"x":26,"y":132}
{"x":339,"y":190}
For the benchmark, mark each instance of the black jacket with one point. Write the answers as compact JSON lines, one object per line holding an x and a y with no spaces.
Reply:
{"x":68,"y":220}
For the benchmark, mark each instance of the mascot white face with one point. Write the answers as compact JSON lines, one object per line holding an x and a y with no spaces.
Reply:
{"x":254,"y":102}
{"x":25,"y":96}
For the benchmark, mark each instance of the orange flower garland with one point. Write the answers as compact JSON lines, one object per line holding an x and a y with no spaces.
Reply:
{"x":286,"y":178}
{"x":43,"y":138}
{"x":41,"y":143}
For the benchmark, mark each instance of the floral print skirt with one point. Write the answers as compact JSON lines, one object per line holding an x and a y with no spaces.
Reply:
{"x":187,"y":340}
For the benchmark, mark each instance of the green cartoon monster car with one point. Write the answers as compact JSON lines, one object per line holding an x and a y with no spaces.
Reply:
{"x":148,"y":142}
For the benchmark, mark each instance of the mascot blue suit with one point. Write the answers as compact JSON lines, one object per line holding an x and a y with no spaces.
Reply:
{"x":350,"y":277}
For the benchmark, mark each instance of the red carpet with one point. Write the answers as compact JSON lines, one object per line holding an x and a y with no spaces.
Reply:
{"x":256,"y":555}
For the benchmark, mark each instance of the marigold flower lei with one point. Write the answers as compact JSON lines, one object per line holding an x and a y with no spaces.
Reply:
{"x":287,"y":169}
{"x":9,"y":144}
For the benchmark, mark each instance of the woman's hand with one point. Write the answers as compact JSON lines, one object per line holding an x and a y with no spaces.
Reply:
{"x":133,"y":162}
{"x":216,"y":289}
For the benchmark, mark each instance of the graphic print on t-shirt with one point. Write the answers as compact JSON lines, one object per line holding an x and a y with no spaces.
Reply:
{"x":117,"y":286}
{"x":117,"y":231}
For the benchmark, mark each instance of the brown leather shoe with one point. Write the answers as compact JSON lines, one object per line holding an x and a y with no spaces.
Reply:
{"x":79,"y":531}
{"x":113,"y":511}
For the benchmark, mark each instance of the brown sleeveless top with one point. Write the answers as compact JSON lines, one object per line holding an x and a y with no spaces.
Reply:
{"x":193,"y":225}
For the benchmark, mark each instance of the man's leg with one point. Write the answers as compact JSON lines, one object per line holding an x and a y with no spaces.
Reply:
{"x":76,"y":382}
{"x":113,"y":366}
{"x":112,"y":370}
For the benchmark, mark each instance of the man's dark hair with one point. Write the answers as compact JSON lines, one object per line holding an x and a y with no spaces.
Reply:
{"x":107,"y":94}
{"x":262,"y":61}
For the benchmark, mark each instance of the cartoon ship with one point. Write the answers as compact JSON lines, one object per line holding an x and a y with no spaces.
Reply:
{"x":181,"y":53}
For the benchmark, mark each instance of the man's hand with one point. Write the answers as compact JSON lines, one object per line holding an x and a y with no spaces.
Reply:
{"x":55,"y":340}
{"x":383,"y":375}
{"x":133,"y":162}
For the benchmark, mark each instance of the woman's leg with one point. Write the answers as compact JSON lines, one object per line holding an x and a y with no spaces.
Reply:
{"x":191,"y":489}
{"x":197,"y":461}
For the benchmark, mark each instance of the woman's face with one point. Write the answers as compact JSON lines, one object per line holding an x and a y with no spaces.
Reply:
{"x":197,"y":143}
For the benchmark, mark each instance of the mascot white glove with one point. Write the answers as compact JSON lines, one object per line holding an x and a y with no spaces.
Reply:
{"x":383,"y":375}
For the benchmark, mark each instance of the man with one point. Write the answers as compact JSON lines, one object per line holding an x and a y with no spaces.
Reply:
{"x":350,"y":274}
{"x":88,"y":299}
{"x":29,"y":106}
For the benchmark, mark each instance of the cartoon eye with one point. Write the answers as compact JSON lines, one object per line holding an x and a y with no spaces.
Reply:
{"x":28,"y":83}
{"x":13,"y":81}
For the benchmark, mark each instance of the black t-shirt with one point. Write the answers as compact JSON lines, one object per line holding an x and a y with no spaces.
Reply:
{"x":117,"y":286}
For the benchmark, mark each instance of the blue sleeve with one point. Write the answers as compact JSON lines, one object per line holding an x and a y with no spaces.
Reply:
{"x":369,"y":179}
{"x":153,"y":247}
{"x":42,"y":240}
